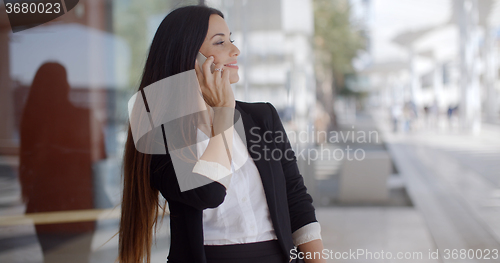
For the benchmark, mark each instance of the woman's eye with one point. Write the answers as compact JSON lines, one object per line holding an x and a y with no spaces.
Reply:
{"x":222,"y":42}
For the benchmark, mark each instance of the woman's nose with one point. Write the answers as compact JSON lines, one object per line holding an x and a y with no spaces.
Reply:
{"x":235,"y":51}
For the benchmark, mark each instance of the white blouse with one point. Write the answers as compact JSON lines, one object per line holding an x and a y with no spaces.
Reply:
{"x":244,"y":215}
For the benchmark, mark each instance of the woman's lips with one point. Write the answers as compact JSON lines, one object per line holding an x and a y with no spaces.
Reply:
{"x":231,"y":66}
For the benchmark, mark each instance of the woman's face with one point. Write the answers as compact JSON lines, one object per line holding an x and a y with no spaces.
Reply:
{"x":218,"y":44}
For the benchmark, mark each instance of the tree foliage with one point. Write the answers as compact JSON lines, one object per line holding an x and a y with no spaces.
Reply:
{"x":131,"y":22}
{"x":338,"y":38}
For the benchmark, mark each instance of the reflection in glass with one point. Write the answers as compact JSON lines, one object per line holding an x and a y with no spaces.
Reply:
{"x":56,"y":159}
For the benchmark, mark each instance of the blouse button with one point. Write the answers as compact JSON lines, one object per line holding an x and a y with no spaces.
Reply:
{"x":244,"y":199}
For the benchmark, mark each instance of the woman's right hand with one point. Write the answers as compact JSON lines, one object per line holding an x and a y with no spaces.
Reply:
{"x":215,"y":87}
{"x":218,"y":94}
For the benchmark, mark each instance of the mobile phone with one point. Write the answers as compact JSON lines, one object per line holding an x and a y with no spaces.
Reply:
{"x":201,"y":59}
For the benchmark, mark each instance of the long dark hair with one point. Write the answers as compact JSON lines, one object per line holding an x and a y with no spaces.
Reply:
{"x":173,"y":50}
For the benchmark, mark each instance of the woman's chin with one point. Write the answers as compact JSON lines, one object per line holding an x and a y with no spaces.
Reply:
{"x":234,"y":79}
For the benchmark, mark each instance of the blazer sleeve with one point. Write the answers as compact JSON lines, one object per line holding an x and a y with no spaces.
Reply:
{"x":163,"y":178}
{"x":300,"y":206}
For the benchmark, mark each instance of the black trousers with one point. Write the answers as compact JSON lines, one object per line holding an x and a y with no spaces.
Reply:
{"x":261,"y":252}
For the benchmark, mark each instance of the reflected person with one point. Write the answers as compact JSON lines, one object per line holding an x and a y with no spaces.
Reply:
{"x":56,"y":159}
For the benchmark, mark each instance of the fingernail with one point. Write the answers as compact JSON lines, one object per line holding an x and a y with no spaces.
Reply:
{"x":211,"y":56}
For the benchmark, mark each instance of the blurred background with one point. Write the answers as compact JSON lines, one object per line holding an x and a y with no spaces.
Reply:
{"x":392,"y":108}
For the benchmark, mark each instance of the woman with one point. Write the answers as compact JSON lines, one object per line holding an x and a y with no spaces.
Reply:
{"x":262,"y":211}
{"x":56,"y":157}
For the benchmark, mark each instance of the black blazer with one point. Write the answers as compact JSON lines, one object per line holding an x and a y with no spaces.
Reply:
{"x":289,"y":203}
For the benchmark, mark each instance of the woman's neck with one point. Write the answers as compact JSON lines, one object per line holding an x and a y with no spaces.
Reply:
{"x":206,"y":122}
